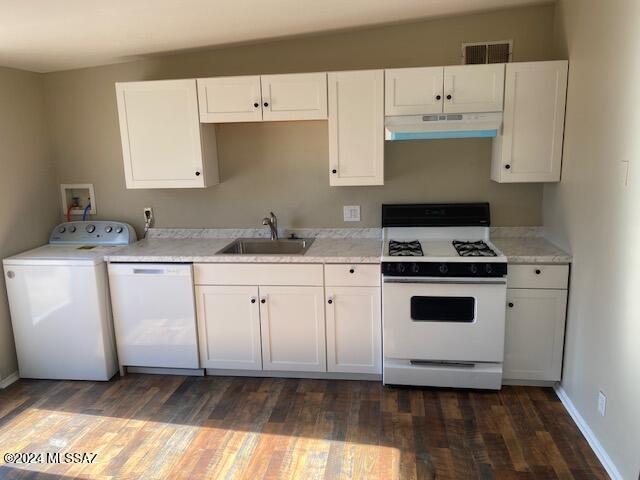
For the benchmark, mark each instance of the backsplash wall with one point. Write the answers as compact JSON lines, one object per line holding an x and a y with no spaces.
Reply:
{"x":283,"y":166}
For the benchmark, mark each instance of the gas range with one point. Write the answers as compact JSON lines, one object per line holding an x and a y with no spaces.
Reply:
{"x":444,"y":294}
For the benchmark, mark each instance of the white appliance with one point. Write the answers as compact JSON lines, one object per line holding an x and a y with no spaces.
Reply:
{"x":444,"y":297}
{"x":443,"y":125}
{"x":59,"y":301}
{"x":154,"y":315}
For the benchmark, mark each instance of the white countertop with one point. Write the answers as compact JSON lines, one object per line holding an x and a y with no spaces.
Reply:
{"x":203,"y":250}
{"x":201,"y":246}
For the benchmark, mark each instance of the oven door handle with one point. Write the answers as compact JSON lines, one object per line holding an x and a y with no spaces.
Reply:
{"x":461,"y":281}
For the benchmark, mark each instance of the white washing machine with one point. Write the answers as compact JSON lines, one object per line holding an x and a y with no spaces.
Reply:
{"x":59,"y":302}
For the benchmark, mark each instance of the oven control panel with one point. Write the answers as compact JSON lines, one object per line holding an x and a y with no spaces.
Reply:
{"x":444,"y":269}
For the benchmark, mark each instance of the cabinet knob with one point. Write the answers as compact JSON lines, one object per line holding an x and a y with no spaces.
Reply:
{"x":256,"y":104}
{"x":266,"y":104}
{"x":197,"y":174}
{"x":352,"y":270}
{"x":538,"y":271}
{"x":438,"y":97}
{"x":334,"y":171}
{"x":263,"y":300}
{"x":330,"y":301}
{"x":449,"y":97}
{"x":507,"y":166}
{"x":510,"y":304}
{"x":253,"y":300}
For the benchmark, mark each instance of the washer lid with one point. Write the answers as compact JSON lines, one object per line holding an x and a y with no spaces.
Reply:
{"x":61,"y":255}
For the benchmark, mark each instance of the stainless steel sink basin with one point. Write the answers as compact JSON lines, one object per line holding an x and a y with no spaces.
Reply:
{"x":264,"y":246}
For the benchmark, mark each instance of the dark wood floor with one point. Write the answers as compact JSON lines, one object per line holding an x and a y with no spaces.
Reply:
{"x":147,"y":426}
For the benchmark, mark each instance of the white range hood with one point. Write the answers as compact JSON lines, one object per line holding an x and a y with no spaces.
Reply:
{"x":443,"y":125}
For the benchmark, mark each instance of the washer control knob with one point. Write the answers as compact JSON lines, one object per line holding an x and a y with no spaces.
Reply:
{"x":62,"y":230}
{"x":72,"y":229}
{"x":118,"y":229}
{"x":108,"y":229}
{"x":90,"y":228}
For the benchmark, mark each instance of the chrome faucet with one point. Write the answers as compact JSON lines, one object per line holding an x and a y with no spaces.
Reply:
{"x":272,"y":222}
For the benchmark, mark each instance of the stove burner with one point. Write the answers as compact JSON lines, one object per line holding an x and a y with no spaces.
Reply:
{"x":405,"y":249}
{"x":473,"y":249}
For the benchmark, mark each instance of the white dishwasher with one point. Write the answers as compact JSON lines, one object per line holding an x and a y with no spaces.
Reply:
{"x":154,"y":315}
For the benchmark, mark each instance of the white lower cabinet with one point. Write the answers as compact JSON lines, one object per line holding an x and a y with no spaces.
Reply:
{"x":229,"y":326}
{"x":292,"y":321}
{"x":534,"y":336}
{"x":353,"y":329}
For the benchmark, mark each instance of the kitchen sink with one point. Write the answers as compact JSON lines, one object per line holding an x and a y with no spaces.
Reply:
{"x":264,"y":246}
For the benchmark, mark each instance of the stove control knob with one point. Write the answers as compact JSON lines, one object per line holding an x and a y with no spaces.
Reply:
{"x":401,"y":268}
{"x":443,"y":268}
{"x":488,"y":268}
{"x":118,"y":229}
{"x":62,"y":230}
{"x":473,"y":268}
{"x":415,"y":268}
{"x":72,"y":229}
{"x":90,"y":228}
{"x":108,"y":229}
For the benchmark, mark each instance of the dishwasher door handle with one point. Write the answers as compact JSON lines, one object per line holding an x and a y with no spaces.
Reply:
{"x":150,"y":271}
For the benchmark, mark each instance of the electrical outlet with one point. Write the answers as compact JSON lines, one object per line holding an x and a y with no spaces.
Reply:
{"x":351,"y":213}
{"x":602,"y":403}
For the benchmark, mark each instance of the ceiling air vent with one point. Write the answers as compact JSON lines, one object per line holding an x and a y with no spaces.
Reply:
{"x":487,"y":52}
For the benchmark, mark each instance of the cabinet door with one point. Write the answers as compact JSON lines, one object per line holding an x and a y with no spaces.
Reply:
{"x":413,"y":91}
{"x":534,"y":337}
{"x":356,"y":128}
{"x":293,"y":337}
{"x":353,"y":329}
{"x":230,"y":99}
{"x":473,"y":88}
{"x":301,"y":96}
{"x":530,"y":147}
{"x":229,"y":327}
{"x":160,"y":132}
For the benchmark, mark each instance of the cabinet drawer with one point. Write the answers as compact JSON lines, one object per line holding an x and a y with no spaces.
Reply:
{"x":538,"y":276}
{"x":352,"y":275}
{"x":260,"y":274}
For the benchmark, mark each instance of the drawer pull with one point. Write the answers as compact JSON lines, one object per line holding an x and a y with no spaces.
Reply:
{"x":352,"y":270}
{"x":510,"y":304}
{"x":538,"y":271}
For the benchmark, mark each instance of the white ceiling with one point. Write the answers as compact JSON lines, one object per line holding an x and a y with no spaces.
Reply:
{"x":50,"y":35}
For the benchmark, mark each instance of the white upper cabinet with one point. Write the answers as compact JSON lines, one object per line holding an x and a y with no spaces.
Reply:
{"x":163,"y":143}
{"x":230,"y":99}
{"x":356,"y":128}
{"x":413,"y":91}
{"x":530,"y":147}
{"x":301,"y":96}
{"x":473,"y":88}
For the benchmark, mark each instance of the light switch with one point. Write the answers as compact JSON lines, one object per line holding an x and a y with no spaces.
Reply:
{"x":351,"y":213}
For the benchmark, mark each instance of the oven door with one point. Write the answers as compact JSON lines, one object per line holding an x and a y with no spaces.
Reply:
{"x":444,"y":319}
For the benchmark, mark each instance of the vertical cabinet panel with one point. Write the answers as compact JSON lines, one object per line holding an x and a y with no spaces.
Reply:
{"x":293,"y":334}
{"x":353,"y":330}
{"x":534,"y":334}
{"x":473,"y":88}
{"x":356,"y":128}
{"x":530,"y":147}
{"x":161,"y":135}
{"x":230,"y":99}
{"x":413,"y":91}
{"x":301,"y":96}
{"x":229,"y":327}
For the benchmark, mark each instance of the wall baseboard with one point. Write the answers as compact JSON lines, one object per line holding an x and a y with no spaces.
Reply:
{"x":9,"y":379}
{"x":593,"y":441}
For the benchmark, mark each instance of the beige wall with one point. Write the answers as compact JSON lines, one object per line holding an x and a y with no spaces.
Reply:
{"x":284,"y":166}
{"x":28,"y":205}
{"x":594,"y":214}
